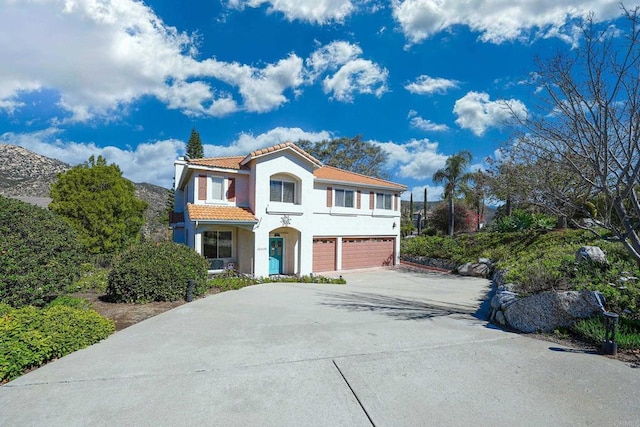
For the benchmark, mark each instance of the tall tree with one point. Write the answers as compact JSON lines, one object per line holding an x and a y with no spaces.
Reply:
{"x":352,"y":154}
{"x":453,"y":175}
{"x":474,"y":194}
{"x":587,"y":128}
{"x":424,"y":209}
{"x":100,"y":204}
{"x":194,"y":146}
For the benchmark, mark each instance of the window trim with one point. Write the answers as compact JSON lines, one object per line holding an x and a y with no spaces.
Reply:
{"x":344,"y":192}
{"x":384,"y":197}
{"x":232,"y":240}
{"x":282,"y":182}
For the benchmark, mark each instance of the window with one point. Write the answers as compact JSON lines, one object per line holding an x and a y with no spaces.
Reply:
{"x":383,"y":201}
{"x":217,"y":244}
{"x":344,"y":198}
{"x":282,"y":191}
{"x":217,"y":186}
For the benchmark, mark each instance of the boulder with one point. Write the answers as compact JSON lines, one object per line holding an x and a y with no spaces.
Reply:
{"x":547,"y":311}
{"x":591,"y":253}
{"x":474,"y":270}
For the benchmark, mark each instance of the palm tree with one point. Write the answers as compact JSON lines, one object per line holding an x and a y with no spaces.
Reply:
{"x":453,"y":176}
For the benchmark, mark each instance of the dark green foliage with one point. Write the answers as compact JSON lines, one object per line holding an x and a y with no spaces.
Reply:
{"x":30,"y":337}
{"x":100,"y":204}
{"x":592,"y":329}
{"x":93,"y":279}
{"x":194,"y":146}
{"x":464,"y":218}
{"x":40,"y":255}
{"x":352,"y":154}
{"x":523,"y":220}
{"x":231,"y":280}
{"x":156,"y":272}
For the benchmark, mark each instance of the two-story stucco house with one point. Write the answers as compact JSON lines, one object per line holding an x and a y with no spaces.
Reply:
{"x":281,"y":211}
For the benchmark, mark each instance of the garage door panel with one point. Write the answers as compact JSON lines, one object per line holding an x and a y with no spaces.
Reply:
{"x":367,"y":252}
{"x":324,"y":254}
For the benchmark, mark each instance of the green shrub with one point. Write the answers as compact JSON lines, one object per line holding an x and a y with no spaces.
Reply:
{"x":40,"y":255}
{"x":523,"y":220}
{"x":30,"y":337}
{"x":156,"y":272}
{"x":592,"y":329}
{"x":93,"y":279}
{"x":69,"y":301}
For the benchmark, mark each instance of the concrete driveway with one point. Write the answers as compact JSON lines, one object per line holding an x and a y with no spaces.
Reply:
{"x":391,"y":348}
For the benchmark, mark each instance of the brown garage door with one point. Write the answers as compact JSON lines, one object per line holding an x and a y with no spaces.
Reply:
{"x":324,"y":254}
{"x":367,"y":252}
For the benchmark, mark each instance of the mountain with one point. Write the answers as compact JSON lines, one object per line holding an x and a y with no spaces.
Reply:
{"x":27,"y":176}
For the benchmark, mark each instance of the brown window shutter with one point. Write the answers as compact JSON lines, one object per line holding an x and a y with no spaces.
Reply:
{"x":231,"y":191}
{"x":359,"y":200}
{"x":395,"y":202}
{"x":329,"y":197}
{"x":372,"y":200}
{"x":202,"y":187}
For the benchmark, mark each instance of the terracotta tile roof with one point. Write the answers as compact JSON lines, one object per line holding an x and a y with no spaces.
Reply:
{"x":219,"y":213}
{"x":232,"y":162}
{"x":331,"y":173}
{"x":279,"y":147}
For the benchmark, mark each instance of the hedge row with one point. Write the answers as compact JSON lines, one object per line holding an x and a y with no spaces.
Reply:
{"x":30,"y":336}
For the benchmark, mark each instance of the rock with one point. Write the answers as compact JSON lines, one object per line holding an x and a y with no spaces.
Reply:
{"x":485,"y":261}
{"x":474,"y":270}
{"x":591,"y":253}
{"x":503,"y":299}
{"x":500,"y":318}
{"x":549,"y":310}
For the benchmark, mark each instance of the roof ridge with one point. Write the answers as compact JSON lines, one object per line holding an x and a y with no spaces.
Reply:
{"x":364,"y":176}
{"x":281,"y":146}
{"x":219,"y":157}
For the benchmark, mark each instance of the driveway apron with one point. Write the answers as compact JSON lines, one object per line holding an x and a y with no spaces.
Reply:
{"x":393,"y":347}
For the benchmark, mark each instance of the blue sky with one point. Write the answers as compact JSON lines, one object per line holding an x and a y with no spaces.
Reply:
{"x":424,"y":79}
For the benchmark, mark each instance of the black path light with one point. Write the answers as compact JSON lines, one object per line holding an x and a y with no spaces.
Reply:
{"x":609,"y":345}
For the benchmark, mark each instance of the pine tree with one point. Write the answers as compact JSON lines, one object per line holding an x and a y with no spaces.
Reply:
{"x":100,"y":204}
{"x":194,"y":146}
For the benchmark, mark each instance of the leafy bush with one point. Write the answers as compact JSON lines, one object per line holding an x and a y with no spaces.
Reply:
{"x":156,"y":272}
{"x":69,"y":301}
{"x":93,"y":279}
{"x":40,"y":255}
{"x":523,"y":220}
{"x":232,"y":280}
{"x":30,"y":337}
{"x":464,"y":218}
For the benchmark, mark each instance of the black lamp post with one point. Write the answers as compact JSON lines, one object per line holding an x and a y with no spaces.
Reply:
{"x":609,"y":345}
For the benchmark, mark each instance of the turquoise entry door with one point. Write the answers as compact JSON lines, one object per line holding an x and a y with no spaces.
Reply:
{"x":275,"y":255}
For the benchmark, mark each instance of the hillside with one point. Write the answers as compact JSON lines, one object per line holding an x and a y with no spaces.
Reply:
{"x":27,"y":176}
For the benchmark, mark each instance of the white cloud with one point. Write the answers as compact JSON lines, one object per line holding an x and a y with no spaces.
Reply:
{"x":476,"y":112}
{"x":99,"y":57}
{"x":426,"y":85}
{"x":247,"y":142}
{"x":150,"y":162}
{"x":423,"y":124}
{"x":313,"y":11}
{"x":351,"y":74}
{"x":499,"y":21}
{"x":417,"y":159}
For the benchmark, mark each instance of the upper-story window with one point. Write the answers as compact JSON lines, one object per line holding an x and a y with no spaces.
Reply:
{"x":383,"y":201}
{"x":282,"y":191}
{"x":344,"y":198}
{"x":216,"y":191}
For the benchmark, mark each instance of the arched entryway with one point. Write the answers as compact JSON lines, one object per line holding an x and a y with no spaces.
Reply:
{"x":284,"y":251}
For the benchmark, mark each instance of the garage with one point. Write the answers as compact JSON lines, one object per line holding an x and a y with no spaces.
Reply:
{"x":324,"y":254}
{"x":367,"y":252}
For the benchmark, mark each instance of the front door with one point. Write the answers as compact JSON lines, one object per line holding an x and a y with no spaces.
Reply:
{"x":275,"y":255}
